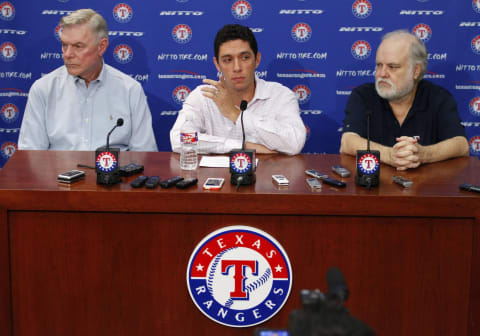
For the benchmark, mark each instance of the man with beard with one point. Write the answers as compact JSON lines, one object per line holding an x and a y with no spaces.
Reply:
{"x":412,"y":121}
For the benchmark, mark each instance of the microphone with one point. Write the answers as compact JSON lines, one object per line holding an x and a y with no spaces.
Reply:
{"x":368,"y":163}
{"x":337,"y":287}
{"x":106,"y":161}
{"x":242,"y":161}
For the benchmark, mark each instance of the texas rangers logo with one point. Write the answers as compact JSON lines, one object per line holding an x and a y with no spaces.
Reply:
{"x":474,"y":106}
{"x":7,"y":11}
{"x":240,"y":163}
{"x":476,"y":45}
{"x":122,"y":13}
{"x":8,"y":51}
{"x":58,"y":32}
{"x":475,"y":145}
{"x":423,"y":32}
{"x":362,"y":9}
{"x":361,"y":50}
{"x":368,"y":164}
{"x":106,"y":162}
{"x":182,"y":33}
{"x":239,"y":276}
{"x":9,"y":113}
{"x":241,"y":10}
{"x":301,"y":32}
{"x":123,"y":53}
{"x":303,"y":93}
{"x":8,"y":149}
{"x":180,"y":93}
{"x":476,"y":6}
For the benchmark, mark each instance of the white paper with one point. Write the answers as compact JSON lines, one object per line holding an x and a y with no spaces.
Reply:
{"x":217,"y":161}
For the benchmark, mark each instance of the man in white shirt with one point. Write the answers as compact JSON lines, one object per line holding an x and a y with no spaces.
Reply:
{"x":76,"y":105}
{"x":272,"y":119}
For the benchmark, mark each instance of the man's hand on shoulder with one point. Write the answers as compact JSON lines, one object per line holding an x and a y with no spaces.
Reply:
{"x":222,"y":98}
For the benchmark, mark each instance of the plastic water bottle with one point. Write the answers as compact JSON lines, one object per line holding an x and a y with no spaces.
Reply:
{"x":188,"y":153}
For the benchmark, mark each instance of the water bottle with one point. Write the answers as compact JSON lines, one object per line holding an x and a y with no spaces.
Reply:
{"x":188,"y":153}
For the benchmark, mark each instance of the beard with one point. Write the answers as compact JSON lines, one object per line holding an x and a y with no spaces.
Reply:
{"x":394,"y":92}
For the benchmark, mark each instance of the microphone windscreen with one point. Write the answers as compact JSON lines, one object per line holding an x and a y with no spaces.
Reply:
{"x":243,"y":105}
{"x":336,"y":283}
{"x":119,"y":122}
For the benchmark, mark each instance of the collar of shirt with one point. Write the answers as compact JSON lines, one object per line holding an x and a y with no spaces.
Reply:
{"x":419,"y":102}
{"x":261,"y":91}
{"x":100,"y":78}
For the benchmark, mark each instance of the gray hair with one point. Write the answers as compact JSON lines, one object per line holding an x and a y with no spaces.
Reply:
{"x":417,"y":49}
{"x":95,"y":21}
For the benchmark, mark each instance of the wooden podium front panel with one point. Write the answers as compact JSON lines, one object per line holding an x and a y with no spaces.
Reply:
{"x":105,"y":273}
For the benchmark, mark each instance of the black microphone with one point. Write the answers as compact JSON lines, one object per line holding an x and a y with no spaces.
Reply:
{"x":119,"y":124}
{"x":106,"y":161}
{"x":368,"y":163}
{"x":242,"y":161}
{"x":337,"y":287}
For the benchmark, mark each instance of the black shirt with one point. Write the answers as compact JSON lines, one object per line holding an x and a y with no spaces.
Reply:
{"x":433,"y":116}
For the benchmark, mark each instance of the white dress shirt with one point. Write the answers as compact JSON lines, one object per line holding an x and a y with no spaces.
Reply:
{"x":62,"y":113}
{"x":271,"y":119}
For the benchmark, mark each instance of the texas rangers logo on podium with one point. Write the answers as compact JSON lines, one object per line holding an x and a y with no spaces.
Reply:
{"x":241,"y":10}
{"x":241,"y":163}
{"x":122,"y":13}
{"x":368,"y":164}
{"x":239,"y":276}
{"x":7,"y":11}
{"x":9,"y":113}
{"x":106,"y":162}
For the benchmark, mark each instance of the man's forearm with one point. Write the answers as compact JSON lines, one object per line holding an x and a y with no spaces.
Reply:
{"x":446,"y":149}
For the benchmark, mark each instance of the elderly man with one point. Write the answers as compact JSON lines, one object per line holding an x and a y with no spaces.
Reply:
{"x":412,"y":120}
{"x":74,"y":106}
{"x":272,"y":118}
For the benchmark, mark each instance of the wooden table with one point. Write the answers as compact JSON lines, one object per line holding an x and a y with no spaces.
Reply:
{"x":94,"y":260}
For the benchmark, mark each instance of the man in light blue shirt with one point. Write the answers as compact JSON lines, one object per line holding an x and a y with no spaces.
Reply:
{"x":76,"y":105}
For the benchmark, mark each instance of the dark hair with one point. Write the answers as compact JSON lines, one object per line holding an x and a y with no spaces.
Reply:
{"x":231,"y":32}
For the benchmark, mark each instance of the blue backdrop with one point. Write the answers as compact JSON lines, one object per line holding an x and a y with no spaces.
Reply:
{"x":319,"y":49}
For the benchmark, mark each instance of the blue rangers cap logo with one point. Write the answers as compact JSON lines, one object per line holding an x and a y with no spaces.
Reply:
{"x":7,"y":11}
{"x":8,"y":51}
{"x":476,"y":45}
{"x":241,"y":10}
{"x":182,"y":33}
{"x":239,"y":276}
{"x":106,"y":162}
{"x":303,"y":93}
{"x":9,"y":113}
{"x":301,"y":32}
{"x":123,"y":53}
{"x":361,"y":50}
{"x":180,"y":94}
{"x":122,"y":13}
{"x":241,"y":163}
{"x":423,"y":32}
{"x":8,"y":149}
{"x":476,"y":6}
{"x":368,"y":164}
{"x":362,"y":9}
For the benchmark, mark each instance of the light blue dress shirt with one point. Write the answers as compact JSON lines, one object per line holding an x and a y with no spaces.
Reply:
{"x":62,"y":113}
